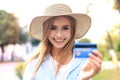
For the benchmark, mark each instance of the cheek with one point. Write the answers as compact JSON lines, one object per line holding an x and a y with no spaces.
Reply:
{"x":67,"y":33}
{"x":51,"y":34}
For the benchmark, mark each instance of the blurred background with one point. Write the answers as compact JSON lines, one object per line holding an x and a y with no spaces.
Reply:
{"x":16,"y":44}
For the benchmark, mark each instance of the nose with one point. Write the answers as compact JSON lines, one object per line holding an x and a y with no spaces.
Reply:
{"x":59,"y":33}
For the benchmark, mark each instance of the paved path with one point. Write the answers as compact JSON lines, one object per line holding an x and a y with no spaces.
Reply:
{"x":109,"y":65}
{"x":7,"y":71}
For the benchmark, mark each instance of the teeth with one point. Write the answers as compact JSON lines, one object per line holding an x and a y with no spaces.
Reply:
{"x":59,"y":40}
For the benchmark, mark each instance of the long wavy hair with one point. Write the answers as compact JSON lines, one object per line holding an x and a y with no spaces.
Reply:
{"x":46,"y":47}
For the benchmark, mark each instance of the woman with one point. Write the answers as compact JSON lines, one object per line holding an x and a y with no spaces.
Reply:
{"x":54,"y":59}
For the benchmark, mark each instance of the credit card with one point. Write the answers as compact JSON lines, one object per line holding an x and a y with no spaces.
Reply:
{"x":82,"y":50}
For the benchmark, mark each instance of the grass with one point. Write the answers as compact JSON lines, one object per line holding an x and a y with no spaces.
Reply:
{"x":112,"y":74}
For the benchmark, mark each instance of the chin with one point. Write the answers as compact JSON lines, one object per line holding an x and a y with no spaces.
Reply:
{"x":59,"y":47}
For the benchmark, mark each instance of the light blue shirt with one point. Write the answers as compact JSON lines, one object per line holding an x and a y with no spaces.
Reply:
{"x":45,"y":73}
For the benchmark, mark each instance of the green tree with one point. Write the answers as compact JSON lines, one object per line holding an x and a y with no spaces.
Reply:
{"x":84,"y":40}
{"x":23,"y":36}
{"x":118,"y":47}
{"x":116,"y":5}
{"x":34,"y":42}
{"x":112,"y":40}
{"x":9,"y":30}
{"x":102,"y":47}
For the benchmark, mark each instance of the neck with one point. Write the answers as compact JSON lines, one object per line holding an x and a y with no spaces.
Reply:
{"x":55,"y":52}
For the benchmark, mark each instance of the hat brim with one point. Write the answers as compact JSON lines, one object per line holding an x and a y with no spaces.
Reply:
{"x":83,"y":25}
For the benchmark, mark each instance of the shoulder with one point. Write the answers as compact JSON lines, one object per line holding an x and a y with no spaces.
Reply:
{"x":29,"y":69}
{"x":30,"y":66}
{"x":32,"y":63}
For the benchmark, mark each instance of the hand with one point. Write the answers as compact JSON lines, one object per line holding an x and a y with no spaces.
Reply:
{"x":93,"y":66}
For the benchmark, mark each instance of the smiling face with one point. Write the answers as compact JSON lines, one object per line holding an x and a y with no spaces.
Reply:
{"x":60,"y":32}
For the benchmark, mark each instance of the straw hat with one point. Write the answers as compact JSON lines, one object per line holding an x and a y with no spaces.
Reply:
{"x":83,"y":20}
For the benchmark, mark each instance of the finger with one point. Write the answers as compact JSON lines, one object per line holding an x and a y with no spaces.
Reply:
{"x":95,"y":63}
{"x":96,"y":66}
{"x":88,"y":66}
{"x":98,"y":54}
{"x":97,"y":59}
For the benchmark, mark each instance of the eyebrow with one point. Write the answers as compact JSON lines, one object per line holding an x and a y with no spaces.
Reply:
{"x":53,"y":25}
{"x":67,"y":25}
{"x":62,"y":26}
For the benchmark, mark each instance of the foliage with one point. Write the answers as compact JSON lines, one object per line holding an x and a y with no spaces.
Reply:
{"x":103,"y":49}
{"x":84,"y":40}
{"x":19,"y":69}
{"x":34,"y":42}
{"x":105,"y":44}
{"x":116,"y":5}
{"x":9,"y":28}
{"x":118,"y":47}
{"x":23,"y":37}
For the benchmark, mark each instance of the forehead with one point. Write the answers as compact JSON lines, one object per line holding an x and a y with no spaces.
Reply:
{"x":61,"y":20}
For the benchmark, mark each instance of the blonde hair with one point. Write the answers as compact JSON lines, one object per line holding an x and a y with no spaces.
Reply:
{"x":46,"y":47}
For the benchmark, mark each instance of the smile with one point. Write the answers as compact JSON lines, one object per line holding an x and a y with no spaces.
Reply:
{"x":59,"y":40}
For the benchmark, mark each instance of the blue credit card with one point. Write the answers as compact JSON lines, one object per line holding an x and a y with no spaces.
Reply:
{"x":81,"y":50}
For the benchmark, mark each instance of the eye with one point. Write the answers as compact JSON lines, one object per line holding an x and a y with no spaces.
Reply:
{"x":66,"y":27}
{"x":53,"y":27}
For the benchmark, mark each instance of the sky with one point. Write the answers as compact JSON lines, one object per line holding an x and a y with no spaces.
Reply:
{"x":101,"y":12}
